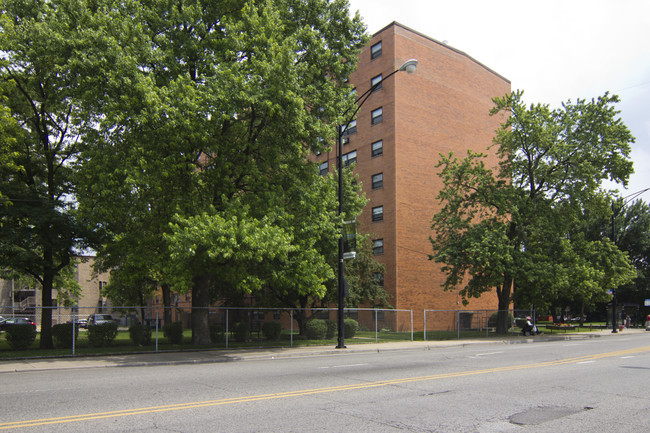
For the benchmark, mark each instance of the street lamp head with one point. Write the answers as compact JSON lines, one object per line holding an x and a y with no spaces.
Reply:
{"x":409,"y":66}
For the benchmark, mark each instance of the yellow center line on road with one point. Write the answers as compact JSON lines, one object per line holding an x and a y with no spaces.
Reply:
{"x":235,"y":400}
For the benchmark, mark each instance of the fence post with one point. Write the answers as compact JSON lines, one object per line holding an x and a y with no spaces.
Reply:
{"x":226,"y":328}
{"x":458,"y":323}
{"x":291,"y":328}
{"x":411,"y":324}
{"x":425,"y":325}
{"x":156,"y":330}
{"x":376,"y":335}
{"x":74,"y":328}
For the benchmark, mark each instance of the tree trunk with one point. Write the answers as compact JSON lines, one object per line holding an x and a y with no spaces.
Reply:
{"x":46,"y":311}
{"x":504,"y":305}
{"x":167,"y":304}
{"x":200,"y":312}
{"x":142,"y":307}
{"x":300,"y":315}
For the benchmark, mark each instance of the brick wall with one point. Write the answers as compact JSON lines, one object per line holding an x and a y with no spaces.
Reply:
{"x":442,"y":107}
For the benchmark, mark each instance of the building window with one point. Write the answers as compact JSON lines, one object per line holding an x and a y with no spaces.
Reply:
{"x":377,"y":115}
{"x":377,"y":148}
{"x":323,"y":168}
{"x":377,"y":314}
{"x":350,"y":128}
{"x":377,"y":180}
{"x":375,"y":51}
{"x":376,"y":82}
{"x":349,"y":158}
{"x":378,"y":246}
{"x":352,"y":314}
{"x":379,"y":278}
{"x":377,"y":213}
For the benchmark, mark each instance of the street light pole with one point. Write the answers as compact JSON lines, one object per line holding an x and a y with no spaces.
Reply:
{"x":408,"y":66}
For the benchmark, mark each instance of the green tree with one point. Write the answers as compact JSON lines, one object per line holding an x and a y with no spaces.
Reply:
{"x":516,"y":222}
{"x":53,"y":60}
{"x":364,"y":276}
{"x":628,"y":226}
{"x":319,"y":228}
{"x":632,"y":227}
{"x":228,"y":100}
{"x":9,"y":132}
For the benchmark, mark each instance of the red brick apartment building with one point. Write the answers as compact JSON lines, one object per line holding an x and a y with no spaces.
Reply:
{"x":396,"y":141}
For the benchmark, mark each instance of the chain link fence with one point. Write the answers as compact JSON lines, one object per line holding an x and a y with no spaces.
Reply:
{"x":458,"y":324}
{"x":231,"y":327}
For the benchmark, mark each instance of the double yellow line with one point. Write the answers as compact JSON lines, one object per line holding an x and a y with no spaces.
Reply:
{"x":288,"y":394}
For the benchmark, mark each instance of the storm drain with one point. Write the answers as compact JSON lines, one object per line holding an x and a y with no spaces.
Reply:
{"x":541,"y":415}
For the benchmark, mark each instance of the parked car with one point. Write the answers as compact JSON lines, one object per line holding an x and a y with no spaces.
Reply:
{"x":16,"y":321}
{"x":98,"y":319}
{"x":82,"y":323}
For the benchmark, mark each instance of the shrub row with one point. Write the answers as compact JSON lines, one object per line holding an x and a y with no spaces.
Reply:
{"x":140,"y":334}
{"x":62,"y":335}
{"x":318,"y":329}
{"x":21,"y":337}
{"x":102,"y":335}
{"x":174,"y":332}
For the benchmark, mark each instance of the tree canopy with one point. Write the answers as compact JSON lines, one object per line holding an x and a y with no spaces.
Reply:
{"x":205,"y":145}
{"x":53,"y":54}
{"x":521,"y":220}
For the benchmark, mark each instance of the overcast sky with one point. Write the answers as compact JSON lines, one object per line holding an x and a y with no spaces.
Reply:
{"x":553,"y":50}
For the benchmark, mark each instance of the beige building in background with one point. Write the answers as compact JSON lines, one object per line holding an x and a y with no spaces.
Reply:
{"x":26,"y":301}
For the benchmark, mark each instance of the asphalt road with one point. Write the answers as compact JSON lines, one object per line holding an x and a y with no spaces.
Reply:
{"x":590,"y":385}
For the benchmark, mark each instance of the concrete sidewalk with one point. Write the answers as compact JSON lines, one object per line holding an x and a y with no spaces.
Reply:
{"x":223,"y":355}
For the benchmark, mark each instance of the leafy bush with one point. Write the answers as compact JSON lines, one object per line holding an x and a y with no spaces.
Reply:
{"x":174,"y":332}
{"x":350,"y":327}
{"x":217,"y":332}
{"x":272,"y":330}
{"x":102,"y":334}
{"x":316,"y":329}
{"x":140,"y":334}
{"x":332,"y":328}
{"x":20,"y":337}
{"x":241,"y":331}
{"x":62,"y":335}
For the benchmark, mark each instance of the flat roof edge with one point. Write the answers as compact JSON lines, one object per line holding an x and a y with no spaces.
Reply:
{"x":395,"y":23}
